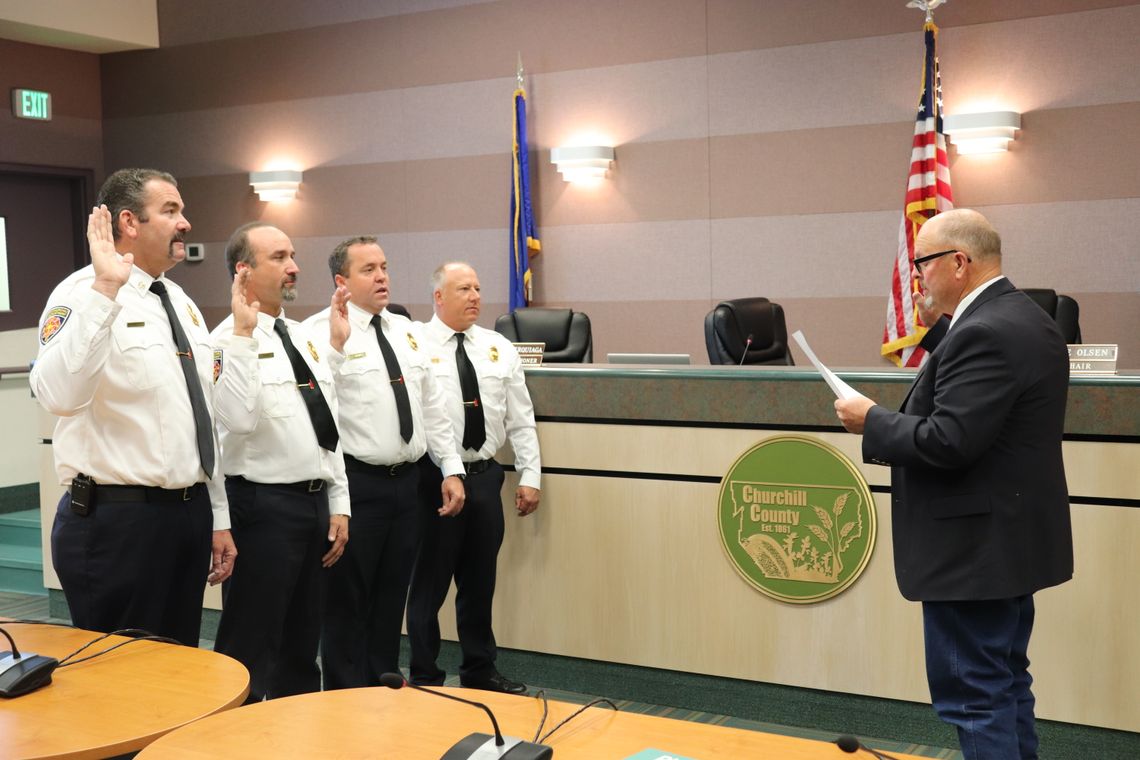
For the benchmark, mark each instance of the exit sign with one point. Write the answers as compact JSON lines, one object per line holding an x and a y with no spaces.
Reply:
{"x":31,"y":104}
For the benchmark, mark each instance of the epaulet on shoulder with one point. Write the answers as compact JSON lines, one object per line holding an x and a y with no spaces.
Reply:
{"x":312,"y":319}
{"x":400,"y":319}
{"x":83,"y":276}
{"x":498,"y":339}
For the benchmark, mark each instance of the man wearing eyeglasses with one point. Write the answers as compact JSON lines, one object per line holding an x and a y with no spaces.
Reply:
{"x":980,"y":507}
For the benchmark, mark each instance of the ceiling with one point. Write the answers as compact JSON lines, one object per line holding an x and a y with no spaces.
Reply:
{"x":89,"y":26}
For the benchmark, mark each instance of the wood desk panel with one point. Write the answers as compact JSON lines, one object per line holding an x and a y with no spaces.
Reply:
{"x":410,"y":725}
{"x":116,"y":703}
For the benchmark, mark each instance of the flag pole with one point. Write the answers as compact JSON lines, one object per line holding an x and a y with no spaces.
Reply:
{"x":928,"y":193}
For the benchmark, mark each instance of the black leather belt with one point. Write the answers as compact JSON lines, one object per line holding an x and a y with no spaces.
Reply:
{"x":308,"y":486}
{"x":352,"y":464}
{"x":478,"y":466}
{"x":106,"y":493}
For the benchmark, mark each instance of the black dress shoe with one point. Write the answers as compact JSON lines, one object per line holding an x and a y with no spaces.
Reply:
{"x":496,"y":682}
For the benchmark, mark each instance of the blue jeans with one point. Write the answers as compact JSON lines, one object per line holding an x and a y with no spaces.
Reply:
{"x":978,"y":670}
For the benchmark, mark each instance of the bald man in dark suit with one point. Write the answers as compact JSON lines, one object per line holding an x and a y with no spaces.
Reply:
{"x":980,"y":507}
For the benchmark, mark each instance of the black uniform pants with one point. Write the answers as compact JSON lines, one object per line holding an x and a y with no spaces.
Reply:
{"x":465,"y":547}
{"x":366,"y":590}
{"x":271,"y":605}
{"x":135,"y":564}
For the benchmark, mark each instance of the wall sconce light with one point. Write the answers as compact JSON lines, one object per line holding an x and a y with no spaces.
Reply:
{"x":273,"y":186}
{"x":982,"y":132}
{"x":584,"y":162}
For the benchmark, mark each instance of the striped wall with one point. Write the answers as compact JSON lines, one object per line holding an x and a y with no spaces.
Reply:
{"x":762,"y":148}
{"x":73,"y":138}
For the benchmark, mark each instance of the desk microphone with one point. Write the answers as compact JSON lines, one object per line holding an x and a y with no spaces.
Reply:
{"x":22,"y":673}
{"x":850,"y":744}
{"x":744,"y":354}
{"x":478,"y":746}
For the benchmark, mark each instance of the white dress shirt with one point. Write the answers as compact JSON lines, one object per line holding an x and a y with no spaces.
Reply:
{"x":507,"y":409}
{"x":110,"y":371}
{"x":368,"y":421}
{"x":970,"y":298}
{"x":265,"y":429}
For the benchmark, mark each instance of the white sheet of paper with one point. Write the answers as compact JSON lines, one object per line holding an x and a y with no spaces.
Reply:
{"x":838,"y":387}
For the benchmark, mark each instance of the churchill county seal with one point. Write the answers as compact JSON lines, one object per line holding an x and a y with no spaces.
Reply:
{"x":796,"y":519}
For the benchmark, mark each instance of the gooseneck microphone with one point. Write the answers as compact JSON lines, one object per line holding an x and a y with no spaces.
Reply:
{"x":850,"y":744}
{"x":477,"y":746}
{"x":744,"y":354}
{"x":22,"y":673}
{"x":397,"y":681}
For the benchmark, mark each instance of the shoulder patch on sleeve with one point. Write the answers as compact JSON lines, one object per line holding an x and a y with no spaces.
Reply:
{"x":54,"y":321}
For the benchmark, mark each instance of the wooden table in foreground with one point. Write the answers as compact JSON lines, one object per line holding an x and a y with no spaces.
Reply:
{"x":407,"y":724}
{"x":116,"y":703}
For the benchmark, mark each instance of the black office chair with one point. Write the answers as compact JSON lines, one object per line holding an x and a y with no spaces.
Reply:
{"x":1064,"y":310}
{"x":566,"y":333}
{"x":729,"y":325}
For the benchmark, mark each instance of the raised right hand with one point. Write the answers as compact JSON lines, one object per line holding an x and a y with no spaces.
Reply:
{"x":244,"y":311}
{"x":339,"y":326}
{"x":111,"y":270}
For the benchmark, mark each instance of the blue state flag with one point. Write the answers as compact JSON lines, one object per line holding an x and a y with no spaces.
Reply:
{"x":524,"y":237}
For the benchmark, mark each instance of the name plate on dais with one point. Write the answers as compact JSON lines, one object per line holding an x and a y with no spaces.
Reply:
{"x":1092,"y":358}
{"x":530,"y":353}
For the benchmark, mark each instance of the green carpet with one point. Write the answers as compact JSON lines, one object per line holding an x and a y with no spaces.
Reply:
{"x":19,"y":498}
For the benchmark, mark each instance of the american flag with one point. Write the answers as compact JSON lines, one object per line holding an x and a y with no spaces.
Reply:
{"x":927,"y":193}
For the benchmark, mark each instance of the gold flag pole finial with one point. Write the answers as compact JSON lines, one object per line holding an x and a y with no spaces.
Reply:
{"x":926,"y":5}
{"x":519,"y":72}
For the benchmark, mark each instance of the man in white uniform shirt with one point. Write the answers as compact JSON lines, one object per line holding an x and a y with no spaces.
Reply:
{"x":125,"y":363}
{"x":284,"y":472}
{"x":391,"y":410}
{"x":488,"y":403}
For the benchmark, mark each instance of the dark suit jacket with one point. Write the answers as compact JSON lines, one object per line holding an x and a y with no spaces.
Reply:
{"x":979,"y":502}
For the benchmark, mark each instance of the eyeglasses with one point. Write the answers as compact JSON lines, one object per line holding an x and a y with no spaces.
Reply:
{"x":931,"y":257}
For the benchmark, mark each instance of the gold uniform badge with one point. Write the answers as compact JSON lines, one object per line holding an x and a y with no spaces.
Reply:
{"x":412,"y":343}
{"x":494,"y":353}
{"x":193,"y":316}
{"x":313,"y":351}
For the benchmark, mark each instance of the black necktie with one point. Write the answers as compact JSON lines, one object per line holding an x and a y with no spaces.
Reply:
{"x":474,"y":428}
{"x":315,"y":402}
{"x":204,"y":429}
{"x":396,"y":380}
